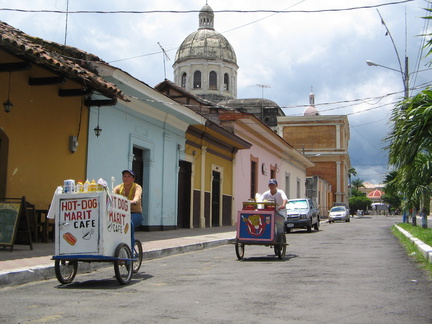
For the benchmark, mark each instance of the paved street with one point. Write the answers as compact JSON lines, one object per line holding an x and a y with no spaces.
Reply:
{"x":347,"y":273}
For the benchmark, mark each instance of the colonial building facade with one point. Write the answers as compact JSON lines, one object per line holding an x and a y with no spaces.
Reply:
{"x":324,"y":140}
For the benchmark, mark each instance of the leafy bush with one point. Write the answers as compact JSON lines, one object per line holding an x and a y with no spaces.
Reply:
{"x":362,"y":203}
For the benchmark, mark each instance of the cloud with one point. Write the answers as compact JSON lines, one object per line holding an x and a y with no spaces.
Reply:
{"x":290,"y":52}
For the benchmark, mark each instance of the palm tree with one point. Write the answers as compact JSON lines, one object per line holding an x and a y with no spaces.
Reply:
{"x":410,"y":147}
{"x":411,"y":132}
{"x":351,"y":171}
{"x":410,"y":152}
{"x":357,"y":183}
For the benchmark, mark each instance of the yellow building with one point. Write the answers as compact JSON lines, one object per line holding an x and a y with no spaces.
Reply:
{"x":47,"y":116}
{"x":210,"y":151}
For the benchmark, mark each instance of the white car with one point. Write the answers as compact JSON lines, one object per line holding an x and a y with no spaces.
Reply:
{"x":339,"y":213}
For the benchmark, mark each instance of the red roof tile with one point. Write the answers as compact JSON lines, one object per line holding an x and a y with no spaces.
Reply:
{"x":62,"y":59}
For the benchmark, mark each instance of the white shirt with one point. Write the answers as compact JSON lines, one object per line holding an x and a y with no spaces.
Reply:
{"x":278,"y":198}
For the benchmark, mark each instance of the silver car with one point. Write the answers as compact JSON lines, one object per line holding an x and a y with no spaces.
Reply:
{"x":339,"y":213}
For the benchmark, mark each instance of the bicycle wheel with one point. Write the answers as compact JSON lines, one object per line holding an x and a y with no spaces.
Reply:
{"x":123,"y":266}
{"x":137,"y":253}
{"x":280,"y":248}
{"x":65,"y":270}
{"x":240,"y":249}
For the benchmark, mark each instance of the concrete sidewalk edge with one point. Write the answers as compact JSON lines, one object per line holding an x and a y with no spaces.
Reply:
{"x":424,"y":249}
{"x":39,"y":273}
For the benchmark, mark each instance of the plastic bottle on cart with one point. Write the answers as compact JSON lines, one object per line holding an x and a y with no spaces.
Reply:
{"x":93,"y":186}
{"x":86,"y":186}
{"x":79,"y":187}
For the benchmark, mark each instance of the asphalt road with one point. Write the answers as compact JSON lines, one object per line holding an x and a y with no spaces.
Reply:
{"x":346,"y":273}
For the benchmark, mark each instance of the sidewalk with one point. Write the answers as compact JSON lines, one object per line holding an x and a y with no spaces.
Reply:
{"x":23,"y":265}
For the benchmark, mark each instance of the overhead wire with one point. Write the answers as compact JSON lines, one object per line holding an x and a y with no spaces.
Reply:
{"x":197,"y":11}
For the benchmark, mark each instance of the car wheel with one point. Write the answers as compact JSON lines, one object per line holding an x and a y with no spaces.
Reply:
{"x":317,"y":225}
{"x":288,"y":230}
{"x":309,"y":228}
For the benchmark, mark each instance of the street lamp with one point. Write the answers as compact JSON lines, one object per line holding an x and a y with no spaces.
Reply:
{"x":404,"y":74}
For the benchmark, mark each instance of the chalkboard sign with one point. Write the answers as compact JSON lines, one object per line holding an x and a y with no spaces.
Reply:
{"x":13,"y":219}
{"x":9,"y":216}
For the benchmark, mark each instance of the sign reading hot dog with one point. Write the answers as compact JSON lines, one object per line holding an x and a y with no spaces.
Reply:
{"x":81,"y":212}
{"x":117,"y":215}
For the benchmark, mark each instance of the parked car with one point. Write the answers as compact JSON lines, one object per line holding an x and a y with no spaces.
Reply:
{"x":339,"y":213}
{"x":301,"y":213}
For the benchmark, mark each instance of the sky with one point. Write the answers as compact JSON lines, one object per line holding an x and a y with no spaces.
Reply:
{"x":316,"y":45}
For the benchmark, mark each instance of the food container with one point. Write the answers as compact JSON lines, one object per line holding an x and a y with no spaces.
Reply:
{"x":69,"y":186}
{"x":249,"y":205}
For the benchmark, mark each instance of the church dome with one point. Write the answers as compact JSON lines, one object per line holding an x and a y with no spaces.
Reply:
{"x":311,"y":109}
{"x":206,"y":43}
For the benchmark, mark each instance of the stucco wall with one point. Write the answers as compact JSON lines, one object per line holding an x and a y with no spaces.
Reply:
{"x":122,"y":129}
{"x":38,"y":128}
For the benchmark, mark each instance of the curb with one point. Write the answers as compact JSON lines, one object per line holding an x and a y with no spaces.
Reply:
{"x":424,"y":249}
{"x":39,"y":273}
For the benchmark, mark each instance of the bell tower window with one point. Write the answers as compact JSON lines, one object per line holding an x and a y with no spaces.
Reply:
{"x":183,"y":80}
{"x":213,"y":80}
{"x":197,"y":80}
{"x":226,"y":82}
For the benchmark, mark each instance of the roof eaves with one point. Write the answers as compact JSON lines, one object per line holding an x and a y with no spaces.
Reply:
{"x":65,"y":60}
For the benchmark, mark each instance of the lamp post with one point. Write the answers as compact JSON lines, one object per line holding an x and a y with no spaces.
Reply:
{"x":404,"y":74}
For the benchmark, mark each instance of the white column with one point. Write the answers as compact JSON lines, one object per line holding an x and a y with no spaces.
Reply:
{"x":202,"y":189}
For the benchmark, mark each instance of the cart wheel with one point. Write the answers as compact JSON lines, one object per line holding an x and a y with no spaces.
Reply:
{"x":240,"y":248}
{"x":65,"y":270}
{"x":123,"y":267}
{"x":280,"y":248}
{"x":137,"y":253}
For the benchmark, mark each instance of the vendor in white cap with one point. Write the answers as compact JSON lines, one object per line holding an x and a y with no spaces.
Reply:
{"x":133,"y":192}
{"x":278,"y":196}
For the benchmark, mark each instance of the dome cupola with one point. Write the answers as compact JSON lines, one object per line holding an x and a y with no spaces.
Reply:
{"x":205,"y":63}
{"x":311,"y":109}
{"x":206,"y":17}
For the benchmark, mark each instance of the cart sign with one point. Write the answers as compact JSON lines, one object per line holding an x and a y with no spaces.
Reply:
{"x":117,"y":215}
{"x":79,"y":224}
{"x":255,"y":225}
{"x":92,"y":223}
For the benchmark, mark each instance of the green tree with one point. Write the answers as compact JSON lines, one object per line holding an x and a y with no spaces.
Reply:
{"x":357,"y":193}
{"x":362,"y":203}
{"x":351,"y":171}
{"x":392,"y":195}
{"x":410,"y":147}
{"x":357,"y":183}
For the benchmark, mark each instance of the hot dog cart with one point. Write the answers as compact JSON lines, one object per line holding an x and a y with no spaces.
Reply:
{"x":259,"y":223}
{"x":92,"y":227}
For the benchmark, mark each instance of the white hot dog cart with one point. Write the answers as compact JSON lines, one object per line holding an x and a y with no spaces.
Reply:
{"x":92,"y":227}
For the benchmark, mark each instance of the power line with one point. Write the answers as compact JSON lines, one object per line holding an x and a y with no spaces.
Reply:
{"x":197,"y":11}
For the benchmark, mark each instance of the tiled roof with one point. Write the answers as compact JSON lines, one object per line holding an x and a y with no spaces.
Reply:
{"x":375,"y":194}
{"x":65,"y":60}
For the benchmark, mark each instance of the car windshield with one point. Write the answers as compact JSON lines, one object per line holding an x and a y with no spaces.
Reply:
{"x":297,"y":204}
{"x":337,"y":209}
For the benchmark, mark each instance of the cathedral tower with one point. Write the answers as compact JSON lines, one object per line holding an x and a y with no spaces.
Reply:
{"x":205,"y":63}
